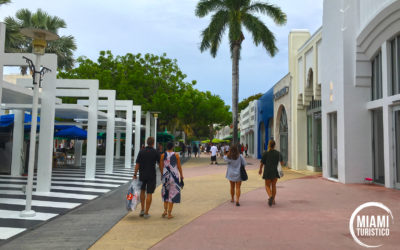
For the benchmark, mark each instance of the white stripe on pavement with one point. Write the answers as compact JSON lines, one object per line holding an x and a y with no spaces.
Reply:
{"x":53,"y":194}
{"x":56,"y":204}
{"x":8,"y":232}
{"x":9,"y":214}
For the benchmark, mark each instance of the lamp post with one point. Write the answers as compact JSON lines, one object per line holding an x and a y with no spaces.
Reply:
{"x":39,"y":43}
{"x":155,"y":114}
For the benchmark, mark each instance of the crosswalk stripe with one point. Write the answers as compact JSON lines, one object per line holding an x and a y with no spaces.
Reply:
{"x":8,"y":232}
{"x":57,"y":204}
{"x":9,"y":214}
{"x":53,"y":194}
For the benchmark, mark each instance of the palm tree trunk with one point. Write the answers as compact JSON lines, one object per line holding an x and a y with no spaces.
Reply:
{"x":235,"y":90}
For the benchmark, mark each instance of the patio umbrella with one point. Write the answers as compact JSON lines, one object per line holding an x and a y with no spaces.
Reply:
{"x":164,"y":137}
{"x":72,"y":133}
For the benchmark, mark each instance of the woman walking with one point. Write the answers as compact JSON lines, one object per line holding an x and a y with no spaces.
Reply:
{"x":270,"y":161}
{"x":234,"y":160}
{"x":170,"y":167}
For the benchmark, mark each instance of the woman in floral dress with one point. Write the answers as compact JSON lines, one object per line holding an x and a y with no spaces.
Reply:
{"x":170,"y":167}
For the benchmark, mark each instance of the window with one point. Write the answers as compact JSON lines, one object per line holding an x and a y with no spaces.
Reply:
{"x":376,"y":83}
{"x":310,"y":150}
{"x":395,"y":66}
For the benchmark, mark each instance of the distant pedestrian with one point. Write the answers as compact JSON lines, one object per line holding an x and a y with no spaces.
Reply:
{"x":246,"y":148}
{"x":214,"y":150}
{"x":270,"y":161}
{"x":172,"y":179}
{"x":234,"y":160}
{"x":189,"y":149}
{"x":195,"y":150}
{"x":146,"y":164}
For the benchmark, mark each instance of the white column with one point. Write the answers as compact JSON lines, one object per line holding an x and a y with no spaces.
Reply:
{"x":138,"y":117}
{"x":128,"y":137}
{"x":2,"y":41}
{"x":78,"y":153}
{"x":45,"y":153}
{"x":18,"y":141}
{"x":118,"y":146}
{"x":155,"y":131}
{"x":110,"y":135}
{"x":147,"y":133}
{"x":92,"y":135}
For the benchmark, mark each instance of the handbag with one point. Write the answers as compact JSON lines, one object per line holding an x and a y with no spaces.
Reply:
{"x":243,"y":173}
{"x":280,"y":171}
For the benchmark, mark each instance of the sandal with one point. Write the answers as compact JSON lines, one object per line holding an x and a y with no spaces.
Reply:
{"x":164,"y":214}
{"x":170,"y":217}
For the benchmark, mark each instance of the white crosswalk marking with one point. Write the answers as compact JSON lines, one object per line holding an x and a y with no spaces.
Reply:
{"x":8,"y":232}
{"x":69,"y":189}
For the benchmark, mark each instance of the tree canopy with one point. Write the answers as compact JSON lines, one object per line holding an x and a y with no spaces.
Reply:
{"x":245,"y":102}
{"x":24,"y":18}
{"x":157,"y":84}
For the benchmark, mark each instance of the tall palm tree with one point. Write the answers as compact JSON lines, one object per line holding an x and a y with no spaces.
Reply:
{"x":4,"y":2}
{"x":234,"y":14}
{"x":24,"y":18}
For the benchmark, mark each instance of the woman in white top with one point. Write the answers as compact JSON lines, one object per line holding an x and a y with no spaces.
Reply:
{"x":234,"y":160}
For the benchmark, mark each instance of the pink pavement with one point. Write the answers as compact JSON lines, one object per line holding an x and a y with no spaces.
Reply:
{"x":310,"y":213}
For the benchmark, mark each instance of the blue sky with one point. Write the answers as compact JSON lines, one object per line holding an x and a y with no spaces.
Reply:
{"x":170,"y":26}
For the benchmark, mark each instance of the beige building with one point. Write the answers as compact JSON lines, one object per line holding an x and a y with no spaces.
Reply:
{"x":282,"y":117}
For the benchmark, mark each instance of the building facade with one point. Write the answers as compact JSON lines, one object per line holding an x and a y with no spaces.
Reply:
{"x":248,"y":128}
{"x":282,"y":118}
{"x":265,"y":123}
{"x":361,"y":91}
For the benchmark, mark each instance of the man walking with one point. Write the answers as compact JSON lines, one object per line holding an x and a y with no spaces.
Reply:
{"x":214,"y":150}
{"x":146,"y":164}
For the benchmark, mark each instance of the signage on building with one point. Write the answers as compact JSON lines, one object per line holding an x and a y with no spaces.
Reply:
{"x":281,"y":92}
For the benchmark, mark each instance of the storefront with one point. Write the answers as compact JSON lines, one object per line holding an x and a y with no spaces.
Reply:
{"x":248,"y":128}
{"x":282,"y":112}
{"x":305,"y":122}
{"x":265,"y":121}
{"x":361,"y":94}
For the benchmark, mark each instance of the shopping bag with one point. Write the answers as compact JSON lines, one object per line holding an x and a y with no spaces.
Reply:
{"x":132,"y":198}
{"x":280,"y":171}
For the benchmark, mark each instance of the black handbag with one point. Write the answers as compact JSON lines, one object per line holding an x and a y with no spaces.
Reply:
{"x":243,"y":173}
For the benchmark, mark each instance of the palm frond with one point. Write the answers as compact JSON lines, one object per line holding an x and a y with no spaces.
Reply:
{"x":4,"y":2}
{"x":213,"y":34}
{"x":261,"y":33}
{"x":271,"y":10}
{"x":204,"y":7}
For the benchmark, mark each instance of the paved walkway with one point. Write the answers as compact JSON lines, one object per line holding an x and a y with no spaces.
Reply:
{"x":69,"y":190}
{"x":311,"y":213}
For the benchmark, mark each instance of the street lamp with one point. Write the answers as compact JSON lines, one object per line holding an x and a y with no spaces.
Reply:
{"x":155,"y":114}
{"x":39,"y":43}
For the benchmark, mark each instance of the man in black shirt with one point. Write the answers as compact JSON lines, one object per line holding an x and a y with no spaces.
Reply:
{"x":146,"y":164}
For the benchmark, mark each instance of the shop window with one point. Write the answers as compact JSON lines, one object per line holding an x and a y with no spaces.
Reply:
{"x":395,"y":66}
{"x":376,"y":82}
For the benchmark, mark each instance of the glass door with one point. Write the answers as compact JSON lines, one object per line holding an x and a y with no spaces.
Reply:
{"x":317,"y":140}
{"x":377,"y":147}
{"x":396,"y":141}
{"x":333,"y":145}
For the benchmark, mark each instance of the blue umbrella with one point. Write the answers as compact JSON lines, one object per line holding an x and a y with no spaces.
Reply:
{"x":72,"y":133}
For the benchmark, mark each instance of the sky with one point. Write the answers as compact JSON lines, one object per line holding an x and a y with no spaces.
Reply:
{"x":170,"y":26}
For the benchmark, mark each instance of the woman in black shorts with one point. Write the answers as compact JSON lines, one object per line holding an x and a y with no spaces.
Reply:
{"x":270,"y":161}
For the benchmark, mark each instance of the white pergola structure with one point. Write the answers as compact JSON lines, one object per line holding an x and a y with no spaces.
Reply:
{"x":48,"y":102}
{"x":128,"y":107}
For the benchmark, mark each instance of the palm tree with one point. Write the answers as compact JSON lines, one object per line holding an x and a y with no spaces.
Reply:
{"x":234,"y":14}
{"x":24,"y":18}
{"x":4,"y":2}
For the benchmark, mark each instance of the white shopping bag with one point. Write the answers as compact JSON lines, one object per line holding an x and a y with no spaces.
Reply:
{"x":280,"y":171}
{"x":132,"y":198}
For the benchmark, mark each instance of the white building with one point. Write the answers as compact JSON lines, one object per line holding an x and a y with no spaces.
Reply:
{"x":361,"y":91}
{"x":248,"y":127}
{"x":224,"y":132}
